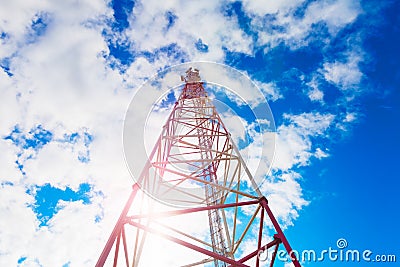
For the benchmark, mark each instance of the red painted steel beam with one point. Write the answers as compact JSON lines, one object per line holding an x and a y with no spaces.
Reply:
{"x":281,"y":235}
{"x":125,"y":246}
{"x":189,"y":245}
{"x":117,"y":250}
{"x":274,"y":256}
{"x":117,"y":229}
{"x":191,"y":210}
{"x":260,"y":236}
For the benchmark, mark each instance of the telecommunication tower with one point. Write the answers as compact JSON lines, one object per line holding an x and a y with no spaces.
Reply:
{"x":196,"y":166}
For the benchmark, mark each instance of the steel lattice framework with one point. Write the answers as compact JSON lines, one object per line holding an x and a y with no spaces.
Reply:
{"x":196,"y":164}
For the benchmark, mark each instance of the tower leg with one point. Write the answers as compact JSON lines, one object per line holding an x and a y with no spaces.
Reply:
{"x":118,"y":228}
{"x":264,"y":204}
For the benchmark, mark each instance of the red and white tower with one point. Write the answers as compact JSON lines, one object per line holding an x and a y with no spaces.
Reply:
{"x":196,"y":167}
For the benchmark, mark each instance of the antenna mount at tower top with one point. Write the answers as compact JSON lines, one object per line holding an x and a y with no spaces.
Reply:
{"x":192,"y":76}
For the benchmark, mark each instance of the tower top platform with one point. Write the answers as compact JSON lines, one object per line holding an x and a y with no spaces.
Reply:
{"x":193,"y":85}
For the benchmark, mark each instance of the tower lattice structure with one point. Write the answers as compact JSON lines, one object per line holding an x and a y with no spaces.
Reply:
{"x":196,"y":166}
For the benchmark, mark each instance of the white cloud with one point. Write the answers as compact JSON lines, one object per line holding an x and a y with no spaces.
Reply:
{"x":74,"y":220}
{"x":315,"y":94}
{"x":57,"y":164}
{"x":16,"y":17}
{"x":270,"y":90}
{"x":9,"y":170}
{"x":319,"y":153}
{"x":269,"y":6}
{"x":285,"y":197}
{"x":17,"y":224}
{"x":346,"y":75}
{"x":62,"y":82}
{"x":237,"y":126}
{"x":294,"y":30}
{"x":336,"y":14}
{"x":350,"y":117}
{"x":293,"y":142}
{"x":195,"y":20}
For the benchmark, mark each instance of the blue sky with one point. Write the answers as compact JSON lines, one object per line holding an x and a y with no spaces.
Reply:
{"x":329,"y":70}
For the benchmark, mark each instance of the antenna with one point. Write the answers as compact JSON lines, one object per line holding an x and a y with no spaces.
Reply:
{"x":197,"y":167}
